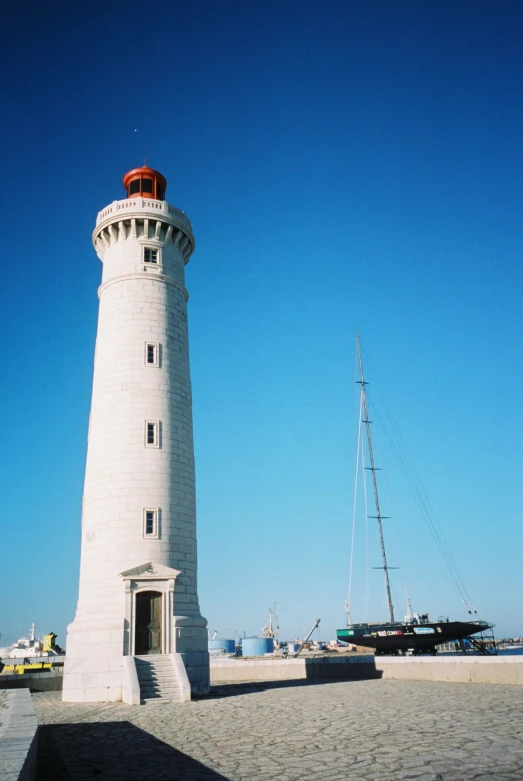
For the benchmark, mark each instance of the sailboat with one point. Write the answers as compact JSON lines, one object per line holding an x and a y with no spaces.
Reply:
{"x":416,"y":634}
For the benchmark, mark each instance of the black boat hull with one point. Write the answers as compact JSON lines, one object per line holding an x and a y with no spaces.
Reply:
{"x":420,"y":638}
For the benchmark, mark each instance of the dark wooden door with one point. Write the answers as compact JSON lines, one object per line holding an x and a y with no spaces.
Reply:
{"x":148,"y":638}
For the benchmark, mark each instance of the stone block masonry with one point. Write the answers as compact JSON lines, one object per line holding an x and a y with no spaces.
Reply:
{"x":138,"y":571}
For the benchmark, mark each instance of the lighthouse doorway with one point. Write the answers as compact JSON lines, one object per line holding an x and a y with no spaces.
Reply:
{"x":148,"y":639}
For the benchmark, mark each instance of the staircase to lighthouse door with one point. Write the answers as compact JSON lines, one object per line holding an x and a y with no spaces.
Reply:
{"x":148,"y":637}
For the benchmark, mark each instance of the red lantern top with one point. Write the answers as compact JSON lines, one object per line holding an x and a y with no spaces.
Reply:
{"x":146,"y":183}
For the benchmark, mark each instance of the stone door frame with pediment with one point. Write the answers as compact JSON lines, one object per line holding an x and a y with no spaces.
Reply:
{"x":149,"y":577}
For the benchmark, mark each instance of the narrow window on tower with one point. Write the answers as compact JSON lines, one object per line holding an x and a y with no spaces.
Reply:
{"x":152,"y":354}
{"x":150,"y":255}
{"x":152,"y":431}
{"x":150,"y":523}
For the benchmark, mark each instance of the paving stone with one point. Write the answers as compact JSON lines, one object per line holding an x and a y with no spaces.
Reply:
{"x":346,"y":731}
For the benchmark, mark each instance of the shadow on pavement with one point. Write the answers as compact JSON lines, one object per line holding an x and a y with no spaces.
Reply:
{"x":219,"y":690}
{"x":112,"y":750}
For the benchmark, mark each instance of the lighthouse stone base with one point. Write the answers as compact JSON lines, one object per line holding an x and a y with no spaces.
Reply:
{"x":93,"y":670}
{"x":191,"y":641}
{"x":93,"y":662}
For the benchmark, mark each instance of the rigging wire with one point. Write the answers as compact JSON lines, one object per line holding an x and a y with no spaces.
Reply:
{"x":367,"y":540}
{"x":406,"y":464}
{"x":354,"y":513}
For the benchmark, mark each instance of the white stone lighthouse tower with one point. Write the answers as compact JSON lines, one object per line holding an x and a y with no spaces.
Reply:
{"x":138,"y":595}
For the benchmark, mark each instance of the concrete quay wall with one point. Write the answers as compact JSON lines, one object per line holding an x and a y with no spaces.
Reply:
{"x":18,"y":736}
{"x":45,"y":681}
{"x":455,"y":669}
{"x":230,"y":670}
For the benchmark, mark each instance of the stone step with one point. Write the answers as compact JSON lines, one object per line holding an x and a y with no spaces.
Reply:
{"x":157,"y":678}
{"x":157,"y":685}
{"x":151,"y":692}
{"x":152,"y":677}
{"x":161,"y":668}
{"x":145,"y":666}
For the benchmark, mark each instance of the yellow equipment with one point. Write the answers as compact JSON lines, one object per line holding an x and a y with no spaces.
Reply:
{"x":49,"y":642}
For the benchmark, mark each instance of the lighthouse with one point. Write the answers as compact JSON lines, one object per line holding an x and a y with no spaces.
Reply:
{"x":138,"y":600}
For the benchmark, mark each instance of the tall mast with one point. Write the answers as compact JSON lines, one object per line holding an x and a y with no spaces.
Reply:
{"x":372,"y":468}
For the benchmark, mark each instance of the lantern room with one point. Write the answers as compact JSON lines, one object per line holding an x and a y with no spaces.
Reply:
{"x":146,"y":183}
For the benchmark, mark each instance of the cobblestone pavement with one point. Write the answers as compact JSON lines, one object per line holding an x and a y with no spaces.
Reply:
{"x":349,"y":731}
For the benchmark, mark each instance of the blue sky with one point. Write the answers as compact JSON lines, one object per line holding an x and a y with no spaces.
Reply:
{"x":346,"y":166}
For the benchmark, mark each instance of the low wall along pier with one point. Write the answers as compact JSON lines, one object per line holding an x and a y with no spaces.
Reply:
{"x":453,"y":669}
{"x":45,"y":681}
{"x":18,"y":736}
